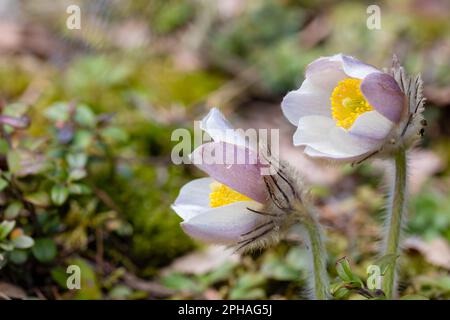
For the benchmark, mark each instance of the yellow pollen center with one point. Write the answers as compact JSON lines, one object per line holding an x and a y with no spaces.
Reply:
{"x":348,"y":102}
{"x":222,"y":195}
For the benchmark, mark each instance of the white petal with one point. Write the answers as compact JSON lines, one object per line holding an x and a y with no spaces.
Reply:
{"x":325,"y":73}
{"x":311,"y":152}
{"x":322,"y":134}
{"x":226,"y":224}
{"x":193,"y":198}
{"x":314,"y":153}
{"x":219,"y":129}
{"x":355,"y":68}
{"x":307,"y":100}
{"x":372,"y":125}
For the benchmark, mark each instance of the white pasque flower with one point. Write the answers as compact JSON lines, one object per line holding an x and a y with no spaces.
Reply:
{"x":347,"y":110}
{"x":234,"y":206}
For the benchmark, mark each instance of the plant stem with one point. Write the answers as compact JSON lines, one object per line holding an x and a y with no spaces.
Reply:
{"x":318,"y":256}
{"x":394,"y":221}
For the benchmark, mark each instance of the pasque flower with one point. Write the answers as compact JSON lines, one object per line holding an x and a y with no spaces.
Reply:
{"x":236,"y":205}
{"x":240,"y":207}
{"x":347,"y":110}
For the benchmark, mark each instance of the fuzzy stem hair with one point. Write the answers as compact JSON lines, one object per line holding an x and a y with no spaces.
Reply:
{"x":394,"y":222}
{"x":318,"y":257}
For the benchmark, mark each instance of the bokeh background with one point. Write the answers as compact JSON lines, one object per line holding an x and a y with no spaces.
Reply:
{"x":90,"y":180}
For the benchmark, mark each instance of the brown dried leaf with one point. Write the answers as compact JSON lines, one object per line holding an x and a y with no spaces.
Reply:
{"x":10,"y":291}
{"x":423,"y":164}
{"x":436,"y":252}
{"x":200,"y":262}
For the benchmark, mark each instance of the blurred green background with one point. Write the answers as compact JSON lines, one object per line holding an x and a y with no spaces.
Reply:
{"x":90,"y":182}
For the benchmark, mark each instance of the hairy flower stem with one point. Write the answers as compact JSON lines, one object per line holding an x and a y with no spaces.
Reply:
{"x":394,"y":223}
{"x":318,"y":255}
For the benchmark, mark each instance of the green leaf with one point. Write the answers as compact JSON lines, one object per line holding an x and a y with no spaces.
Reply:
{"x":13,"y":158}
{"x":385,"y":262}
{"x":4,"y":147}
{"x":180,"y":282}
{"x":344,"y":270}
{"x":221,"y":273}
{"x":59,"y":194}
{"x":23,"y":242}
{"x":16,"y":109}
{"x":248,"y":294}
{"x":44,"y":250}
{"x":77,"y":160}
{"x":172,"y":15}
{"x":249,"y":287}
{"x":7,"y":246}
{"x":356,"y":283}
{"x":114,"y":134}
{"x":77,"y":174}
{"x":84,"y":116}
{"x":79,"y":188}
{"x":58,"y":112}
{"x":341,"y":293}
{"x":40,"y":198}
{"x":5,"y":228}
{"x":3,"y":184}
{"x":22,"y":162}
{"x":90,"y":287}
{"x":59,"y":275}
{"x":346,"y":274}
{"x":120,"y":292}
{"x":13,"y":210}
{"x":18,"y":256}
{"x":277,"y":269}
{"x":82,"y":139}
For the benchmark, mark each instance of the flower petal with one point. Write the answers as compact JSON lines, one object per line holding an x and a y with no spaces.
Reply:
{"x":219,"y":129}
{"x":307,"y":100}
{"x":311,"y":152}
{"x":226,"y":224}
{"x":383,"y":93}
{"x":322,"y":134}
{"x":321,"y":77}
{"x":325,"y":73}
{"x":237,"y":167}
{"x":371,"y":125}
{"x":314,"y":153}
{"x":193,"y":198}
{"x":355,"y":68}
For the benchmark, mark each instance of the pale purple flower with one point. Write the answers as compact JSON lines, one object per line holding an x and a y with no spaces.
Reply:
{"x":347,"y":110}
{"x":234,"y":206}
{"x":227,"y":223}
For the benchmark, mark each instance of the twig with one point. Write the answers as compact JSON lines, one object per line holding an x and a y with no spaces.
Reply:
{"x":106,"y":199}
{"x":151,"y":287}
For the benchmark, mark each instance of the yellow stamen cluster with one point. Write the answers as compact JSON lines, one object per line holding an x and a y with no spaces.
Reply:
{"x":348,"y":103}
{"x":222,"y":195}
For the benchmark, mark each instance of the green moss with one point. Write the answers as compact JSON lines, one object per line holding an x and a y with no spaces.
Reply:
{"x":171,"y":15}
{"x":136,"y":81}
{"x":144,"y":187}
{"x":145,"y":196}
{"x":13,"y":77}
